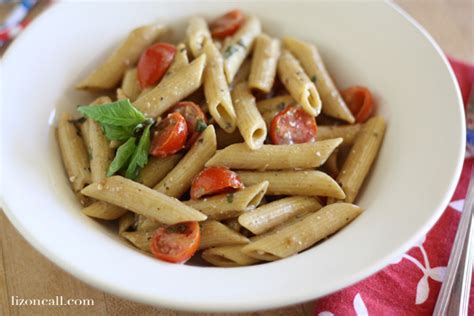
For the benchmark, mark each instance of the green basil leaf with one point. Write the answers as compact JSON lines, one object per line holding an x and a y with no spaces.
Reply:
{"x":140,"y":157}
{"x":200,"y":125}
{"x":120,"y":133}
{"x":119,"y":113}
{"x":122,"y":156}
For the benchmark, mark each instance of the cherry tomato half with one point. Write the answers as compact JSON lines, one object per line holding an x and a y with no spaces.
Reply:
{"x":195,"y":119}
{"x":154,"y":62}
{"x":227,"y":24}
{"x":169,"y":136}
{"x":176,"y":243}
{"x":359,"y":101}
{"x":214,"y":180}
{"x":293,"y":126}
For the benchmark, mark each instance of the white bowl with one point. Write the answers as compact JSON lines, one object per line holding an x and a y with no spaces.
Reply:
{"x":372,"y":44}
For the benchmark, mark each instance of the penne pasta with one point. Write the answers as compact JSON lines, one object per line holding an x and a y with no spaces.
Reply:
{"x":121,"y":95}
{"x":180,"y":59}
{"x":215,"y":234}
{"x":100,"y":153}
{"x":362,"y":155}
{"x":233,"y":223}
{"x":197,"y":33}
{"x":275,"y":157}
{"x":303,"y":234}
{"x":298,"y":84}
{"x":103,"y":210}
{"x":269,"y":108}
{"x":243,"y":73}
{"x":228,"y":256}
{"x":73,"y":153}
{"x":216,"y":89}
{"x":126,"y":222}
{"x":157,"y":168}
{"x":225,"y":139}
{"x":308,"y":55}
{"x":130,"y":85}
{"x":230,"y":205}
{"x":304,"y":182}
{"x":347,"y":132}
{"x":178,"y":180}
{"x":109,"y":74}
{"x":264,"y":63}
{"x":140,"y":239}
{"x":239,"y":45}
{"x":272,"y":214}
{"x":172,"y":88}
{"x":142,"y":200}
{"x":251,"y":125}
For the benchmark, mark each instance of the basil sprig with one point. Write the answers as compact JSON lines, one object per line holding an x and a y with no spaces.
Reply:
{"x":121,"y":121}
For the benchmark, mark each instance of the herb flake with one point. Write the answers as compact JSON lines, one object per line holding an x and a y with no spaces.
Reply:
{"x":230,"y":197}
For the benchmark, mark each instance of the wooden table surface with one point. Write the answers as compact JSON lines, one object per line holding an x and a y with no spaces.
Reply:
{"x":25,"y":273}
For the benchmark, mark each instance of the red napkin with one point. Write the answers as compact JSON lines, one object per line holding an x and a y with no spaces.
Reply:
{"x":410,"y":286}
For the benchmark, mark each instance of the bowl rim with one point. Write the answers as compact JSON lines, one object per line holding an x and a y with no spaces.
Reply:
{"x":264,"y":303}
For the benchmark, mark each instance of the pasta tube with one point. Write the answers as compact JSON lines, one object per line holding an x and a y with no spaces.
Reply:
{"x":157,"y":168}
{"x":243,"y":73}
{"x":73,"y":153}
{"x":269,"y":108}
{"x":142,"y":200}
{"x":239,"y":45}
{"x":100,"y":153}
{"x":126,"y":221}
{"x":277,"y":212}
{"x":250,"y":122}
{"x":215,"y":234}
{"x":104,"y":210}
{"x":180,"y":59}
{"x":179,"y":180}
{"x":275,"y":157}
{"x":197,"y":34}
{"x":230,"y":205}
{"x":264,"y":63}
{"x":347,"y":132}
{"x":301,"y":88}
{"x":109,"y":74}
{"x":130,"y":85}
{"x":303,"y":234}
{"x":216,"y":89}
{"x":304,"y":182}
{"x":228,"y":256}
{"x":172,"y":88}
{"x":140,"y":239}
{"x":308,"y":55}
{"x":362,"y":155}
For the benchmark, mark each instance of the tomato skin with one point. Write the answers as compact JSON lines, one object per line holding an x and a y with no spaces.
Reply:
{"x":214,"y":180}
{"x":192,"y":113}
{"x":360,"y":103}
{"x":227,"y":24}
{"x":169,"y":136}
{"x":293,"y":126}
{"x":154,"y":62}
{"x":176,"y":243}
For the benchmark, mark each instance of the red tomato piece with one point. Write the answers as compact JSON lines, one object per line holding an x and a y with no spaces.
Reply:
{"x":293,"y":126}
{"x":195,"y":119}
{"x":214,"y":180}
{"x":169,"y":136}
{"x":359,"y":101}
{"x":227,"y":24}
{"x":176,"y":243}
{"x":154,"y":62}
